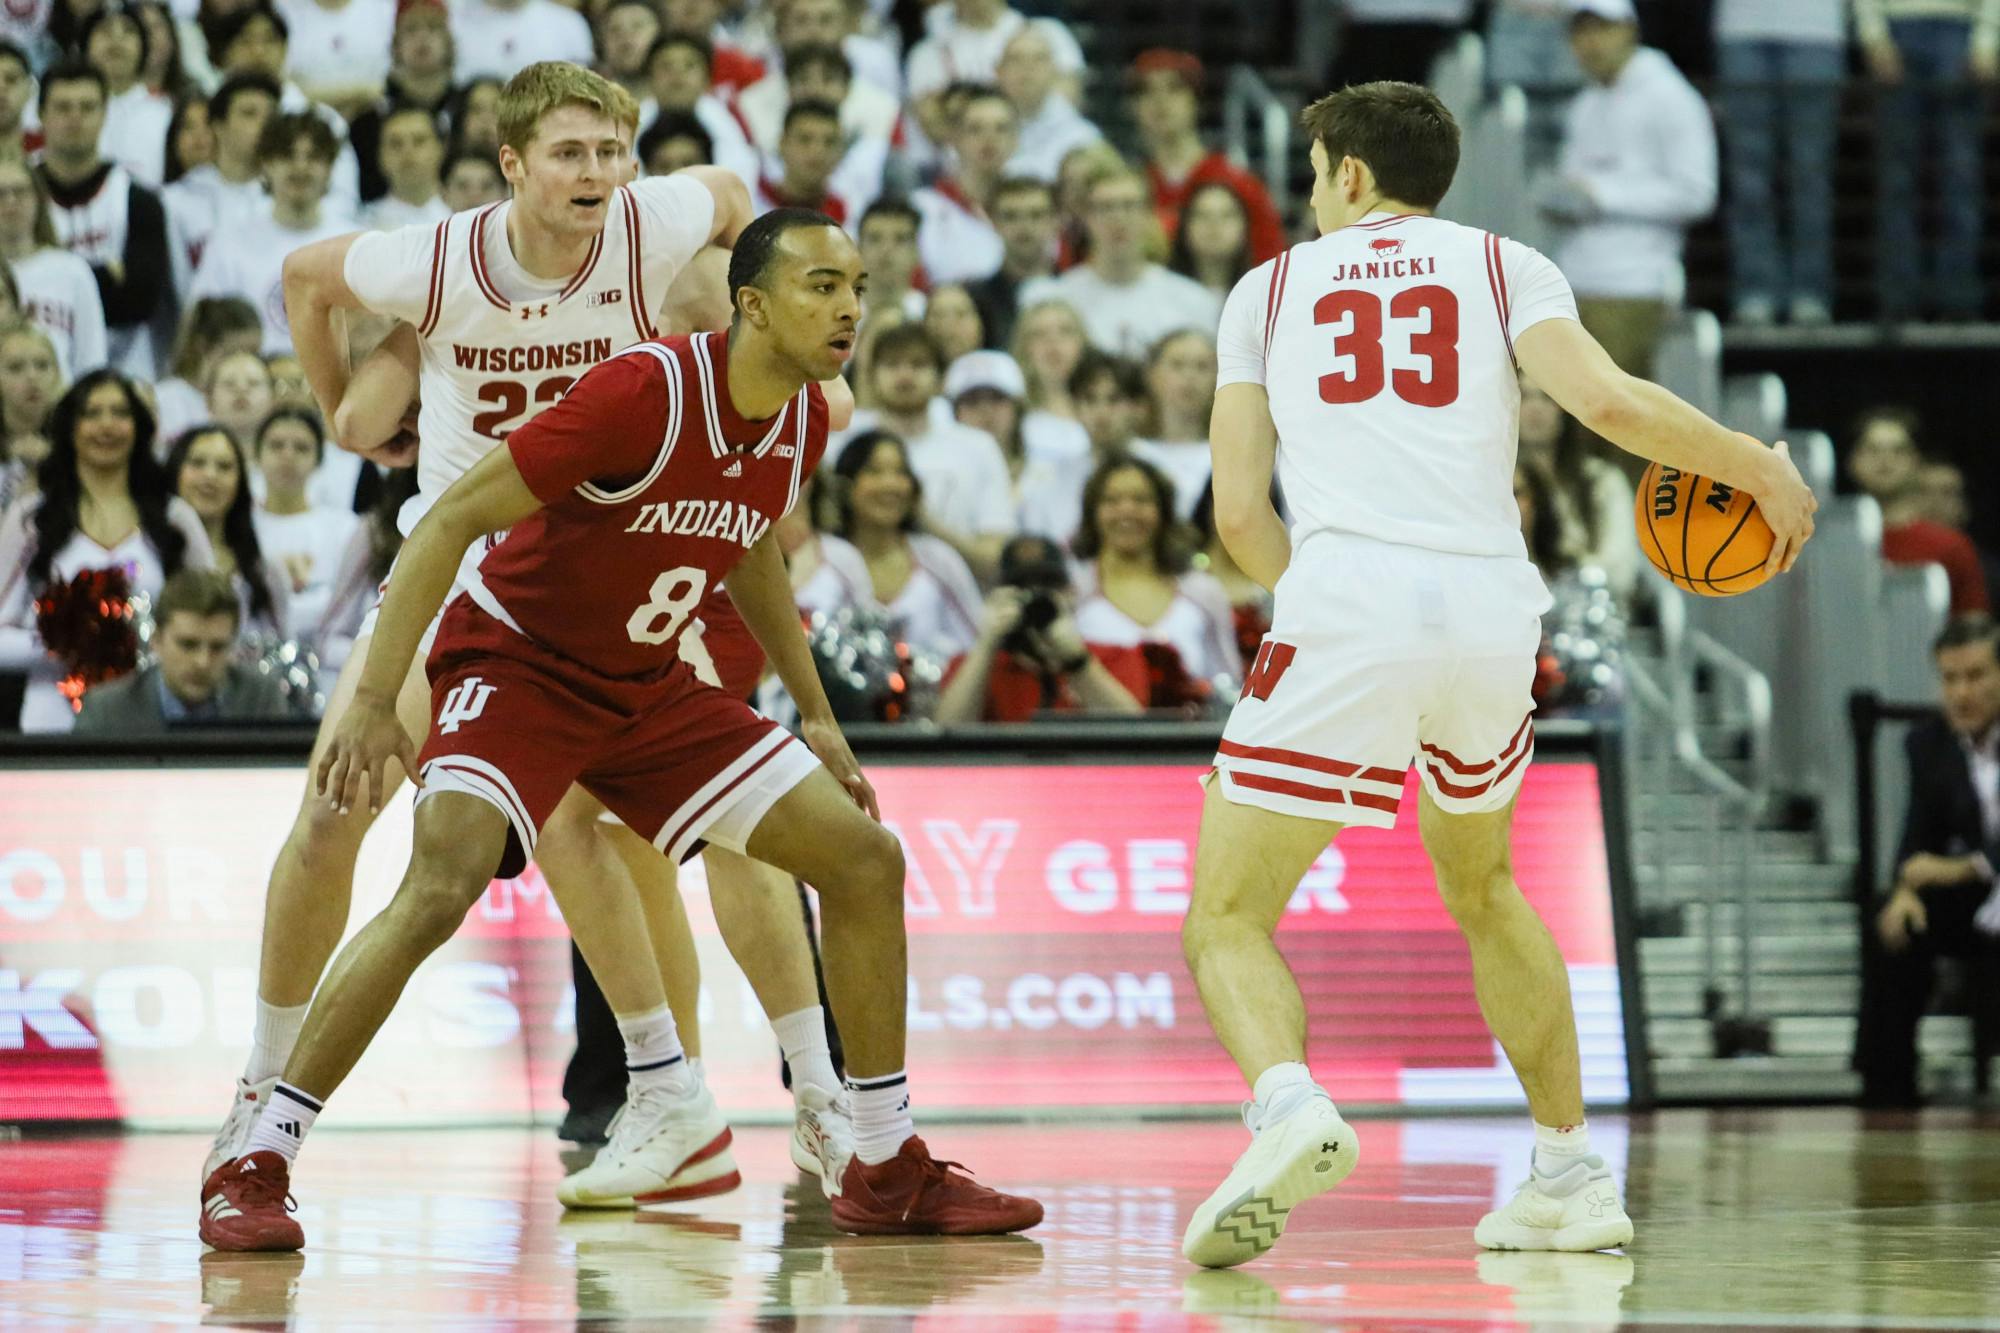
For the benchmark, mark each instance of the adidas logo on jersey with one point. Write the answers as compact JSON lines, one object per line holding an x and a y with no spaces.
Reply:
{"x":612,"y":297}
{"x":735,"y":469}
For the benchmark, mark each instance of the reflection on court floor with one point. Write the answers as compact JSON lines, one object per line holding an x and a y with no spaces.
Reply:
{"x":1790,"y":1219}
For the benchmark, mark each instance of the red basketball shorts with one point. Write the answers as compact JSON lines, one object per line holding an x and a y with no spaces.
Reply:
{"x":678,"y":761}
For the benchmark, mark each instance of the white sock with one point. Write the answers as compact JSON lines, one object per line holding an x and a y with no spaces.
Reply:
{"x":1556,"y":1147}
{"x":653,"y":1054}
{"x":282,"y":1125}
{"x":272,"y":1037}
{"x":881,"y":1116}
{"x":1283,"y":1089}
{"x":802,"y":1036}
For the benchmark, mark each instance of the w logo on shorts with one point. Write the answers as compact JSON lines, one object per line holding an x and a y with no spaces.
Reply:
{"x":466,"y":701}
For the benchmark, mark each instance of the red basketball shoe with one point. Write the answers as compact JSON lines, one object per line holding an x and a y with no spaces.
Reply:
{"x":247,"y":1205}
{"x":912,"y":1194}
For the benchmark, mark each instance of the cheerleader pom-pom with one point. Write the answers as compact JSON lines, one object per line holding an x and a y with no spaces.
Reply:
{"x":86,"y":625}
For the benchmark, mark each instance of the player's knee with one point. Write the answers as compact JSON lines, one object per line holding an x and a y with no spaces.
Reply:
{"x":446,"y":877}
{"x":321,"y":831}
{"x":1472,"y":897}
{"x":1204,"y":925}
{"x":877,"y":864}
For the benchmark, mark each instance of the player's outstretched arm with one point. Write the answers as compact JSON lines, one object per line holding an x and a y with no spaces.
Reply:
{"x":1644,"y":419}
{"x":762,"y":591}
{"x":491,"y":497}
{"x":315,"y":282}
{"x":1244,"y":443}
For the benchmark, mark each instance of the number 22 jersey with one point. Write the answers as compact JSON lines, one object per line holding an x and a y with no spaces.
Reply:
{"x":1387,"y":351}
{"x":500,"y":345}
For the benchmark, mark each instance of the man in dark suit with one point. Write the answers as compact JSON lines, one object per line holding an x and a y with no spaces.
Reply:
{"x":195,"y":682}
{"x":1946,"y":900}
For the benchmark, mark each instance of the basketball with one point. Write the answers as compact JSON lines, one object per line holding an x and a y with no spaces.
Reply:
{"x":1704,"y":536}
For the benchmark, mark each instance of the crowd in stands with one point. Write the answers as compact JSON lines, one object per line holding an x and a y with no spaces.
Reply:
{"x":1024,"y":492}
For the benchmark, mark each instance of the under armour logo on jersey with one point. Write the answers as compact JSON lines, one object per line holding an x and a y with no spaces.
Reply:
{"x":612,"y":297}
{"x":466,"y":701}
{"x":529,"y":312}
{"x":735,"y":469}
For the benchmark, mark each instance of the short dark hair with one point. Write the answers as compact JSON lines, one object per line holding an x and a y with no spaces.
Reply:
{"x":1892,"y":414}
{"x":1168,"y":557}
{"x":1966,"y":630}
{"x":130,"y":14}
{"x":827,"y":56}
{"x":283,"y":131}
{"x":221,"y":31}
{"x":750,"y":261}
{"x":670,"y":125}
{"x":304,"y":416}
{"x":1023,"y":185}
{"x":1402,"y":131}
{"x":456,"y":157}
{"x":811,"y":108}
{"x":401,"y":109}
{"x":198,"y":592}
{"x":694,"y":41}
{"x":72,"y":70}
{"x":1126,"y":377}
{"x":889,"y":206}
{"x":235,"y":86}
{"x":908,"y":338}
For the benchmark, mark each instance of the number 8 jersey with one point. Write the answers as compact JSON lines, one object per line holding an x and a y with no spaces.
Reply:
{"x":1386,"y":349}
{"x":499,"y":344}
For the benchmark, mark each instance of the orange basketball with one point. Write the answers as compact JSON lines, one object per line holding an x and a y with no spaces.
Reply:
{"x":1704,"y":536}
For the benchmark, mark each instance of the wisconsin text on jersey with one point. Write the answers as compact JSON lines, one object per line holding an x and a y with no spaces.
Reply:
{"x":720,"y":520}
{"x":535,"y":356}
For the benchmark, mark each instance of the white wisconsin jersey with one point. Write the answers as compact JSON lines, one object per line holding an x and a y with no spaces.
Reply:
{"x":500,"y":345}
{"x":1387,"y":350}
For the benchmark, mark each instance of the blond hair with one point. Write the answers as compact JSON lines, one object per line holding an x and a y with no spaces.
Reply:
{"x":547,"y":85}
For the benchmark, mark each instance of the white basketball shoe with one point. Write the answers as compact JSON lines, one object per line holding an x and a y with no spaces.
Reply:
{"x":1289,"y":1160}
{"x":1575,"y":1209}
{"x":823,"y":1136}
{"x":664,"y":1147}
{"x":234,"y":1135}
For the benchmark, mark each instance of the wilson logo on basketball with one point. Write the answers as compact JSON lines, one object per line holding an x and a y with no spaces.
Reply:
{"x":1667,"y":495}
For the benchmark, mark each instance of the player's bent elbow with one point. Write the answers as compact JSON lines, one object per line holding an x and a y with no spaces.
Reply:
{"x":1610,"y":408}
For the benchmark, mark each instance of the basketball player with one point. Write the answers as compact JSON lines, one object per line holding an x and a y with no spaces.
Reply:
{"x":511,"y":304}
{"x":1375,"y":367}
{"x":755,"y":907}
{"x":663,"y":471}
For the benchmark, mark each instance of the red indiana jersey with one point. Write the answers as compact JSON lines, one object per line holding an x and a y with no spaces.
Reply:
{"x":654,"y":488}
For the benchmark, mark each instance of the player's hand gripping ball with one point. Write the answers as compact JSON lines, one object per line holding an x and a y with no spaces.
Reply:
{"x":1707,"y":538}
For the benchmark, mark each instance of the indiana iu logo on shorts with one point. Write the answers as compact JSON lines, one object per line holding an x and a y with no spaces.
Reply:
{"x":465,"y":702}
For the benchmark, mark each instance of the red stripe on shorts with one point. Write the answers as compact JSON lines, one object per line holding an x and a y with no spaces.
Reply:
{"x":1306,"y":791}
{"x":1474,"y":770}
{"x":1299,"y":759}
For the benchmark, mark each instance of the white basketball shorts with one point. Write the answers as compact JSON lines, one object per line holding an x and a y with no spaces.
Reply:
{"x":1380,"y":655}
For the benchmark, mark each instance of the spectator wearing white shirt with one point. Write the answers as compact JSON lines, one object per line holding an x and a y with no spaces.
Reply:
{"x":58,"y":291}
{"x":964,"y":42}
{"x":210,"y":471}
{"x":1049,"y":343}
{"x":239,"y":392}
{"x":1048,"y":457}
{"x":870,"y":104}
{"x":957,"y":239}
{"x":135,"y":116}
{"x":1638,"y":168}
{"x":412,"y":160}
{"x":296,"y":151}
{"x":1781,"y":64}
{"x":1936,"y":62}
{"x":1024,"y":215}
{"x":679,"y":70}
{"x":1180,"y":375}
{"x":210,"y":330}
{"x":420,"y":60}
{"x":103,"y":216}
{"x":734,"y":67}
{"x":302,"y":540}
{"x":875,"y":60}
{"x":967,"y":491}
{"x":502,"y":37}
{"x":343,"y":49}
{"x":257,"y":41}
{"x":227,"y":190}
{"x":1050,"y":124}
{"x":919,"y":580}
{"x":868,"y":116}
{"x":473,"y":180}
{"x":1126,"y":301}
{"x":1112,"y":402}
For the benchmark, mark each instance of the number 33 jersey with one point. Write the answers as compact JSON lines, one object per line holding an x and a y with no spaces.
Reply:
{"x":500,"y":345}
{"x":1386,"y":349}
{"x":653,"y":487}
